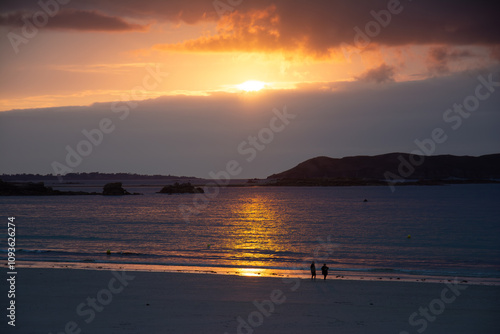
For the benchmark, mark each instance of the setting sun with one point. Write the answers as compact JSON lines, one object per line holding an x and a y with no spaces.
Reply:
{"x":251,"y":86}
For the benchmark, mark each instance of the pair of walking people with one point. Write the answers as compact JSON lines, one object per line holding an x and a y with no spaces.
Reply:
{"x":324,"y":270}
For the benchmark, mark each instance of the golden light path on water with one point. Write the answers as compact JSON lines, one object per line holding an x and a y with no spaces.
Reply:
{"x":250,"y":272}
{"x":257,"y":231}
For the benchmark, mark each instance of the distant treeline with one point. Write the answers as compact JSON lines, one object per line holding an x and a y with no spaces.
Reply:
{"x":89,"y":176}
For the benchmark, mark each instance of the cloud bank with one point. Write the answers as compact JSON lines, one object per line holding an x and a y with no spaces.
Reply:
{"x":314,"y":27}
{"x":193,"y":136}
{"x":318,"y":27}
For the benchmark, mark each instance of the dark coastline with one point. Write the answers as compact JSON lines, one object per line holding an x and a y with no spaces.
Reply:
{"x":343,"y":182}
{"x":39,"y":189}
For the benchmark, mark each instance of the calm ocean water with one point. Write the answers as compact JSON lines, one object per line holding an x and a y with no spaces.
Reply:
{"x":455,"y":230}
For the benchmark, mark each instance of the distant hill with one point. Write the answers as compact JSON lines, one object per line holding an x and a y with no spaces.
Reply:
{"x":400,"y":165}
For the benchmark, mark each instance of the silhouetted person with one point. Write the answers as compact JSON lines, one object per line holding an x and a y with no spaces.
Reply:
{"x":324,"y":270}
{"x":313,"y":271}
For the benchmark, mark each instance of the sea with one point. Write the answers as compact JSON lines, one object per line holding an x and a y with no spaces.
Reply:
{"x":416,"y":231}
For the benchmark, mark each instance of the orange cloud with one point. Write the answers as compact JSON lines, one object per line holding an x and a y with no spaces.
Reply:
{"x":316,"y":27}
{"x":256,"y":30}
{"x":321,"y":28}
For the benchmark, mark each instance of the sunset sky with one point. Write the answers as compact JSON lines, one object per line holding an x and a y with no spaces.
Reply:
{"x":358,"y":77}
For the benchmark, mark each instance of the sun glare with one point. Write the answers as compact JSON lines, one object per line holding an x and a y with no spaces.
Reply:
{"x":250,"y":272}
{"x":251,"y":86}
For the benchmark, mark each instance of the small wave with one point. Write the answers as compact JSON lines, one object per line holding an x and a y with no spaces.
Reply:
{"x":33,"y":251}
{"x":64,"y":237}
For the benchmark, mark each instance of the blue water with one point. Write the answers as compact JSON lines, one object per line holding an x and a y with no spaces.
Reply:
{"x":455,"y":230}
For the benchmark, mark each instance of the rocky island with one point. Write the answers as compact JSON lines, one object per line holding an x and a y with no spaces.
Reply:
{"x":115,"y":189}
{"x":39,"y":189}
{"x":183,"y":188}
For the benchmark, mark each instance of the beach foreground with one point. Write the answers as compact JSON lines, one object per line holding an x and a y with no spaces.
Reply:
{"x":87,"y":301}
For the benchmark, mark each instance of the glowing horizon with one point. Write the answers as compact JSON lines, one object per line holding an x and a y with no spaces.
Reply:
{"x":252,"y":86}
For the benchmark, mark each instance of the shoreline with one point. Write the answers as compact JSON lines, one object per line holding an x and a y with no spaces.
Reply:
{"x":126,"y":302}
{"x":260,"y":272}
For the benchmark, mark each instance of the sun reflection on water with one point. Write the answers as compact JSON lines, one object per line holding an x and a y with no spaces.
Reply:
{"x":250,"y":272}
{"x":256,"y":231}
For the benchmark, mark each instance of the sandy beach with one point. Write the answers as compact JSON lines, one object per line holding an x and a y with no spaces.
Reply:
{"x":87,"y":301}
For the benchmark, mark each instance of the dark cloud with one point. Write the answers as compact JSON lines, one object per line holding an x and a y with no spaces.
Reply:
{"x":314,"y":27}
{"x":381,"y":74}
{"x":73,"y":19}
{"x":149,"y":11}
{"x":318,"y":27}
{"x":439,"y":58}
